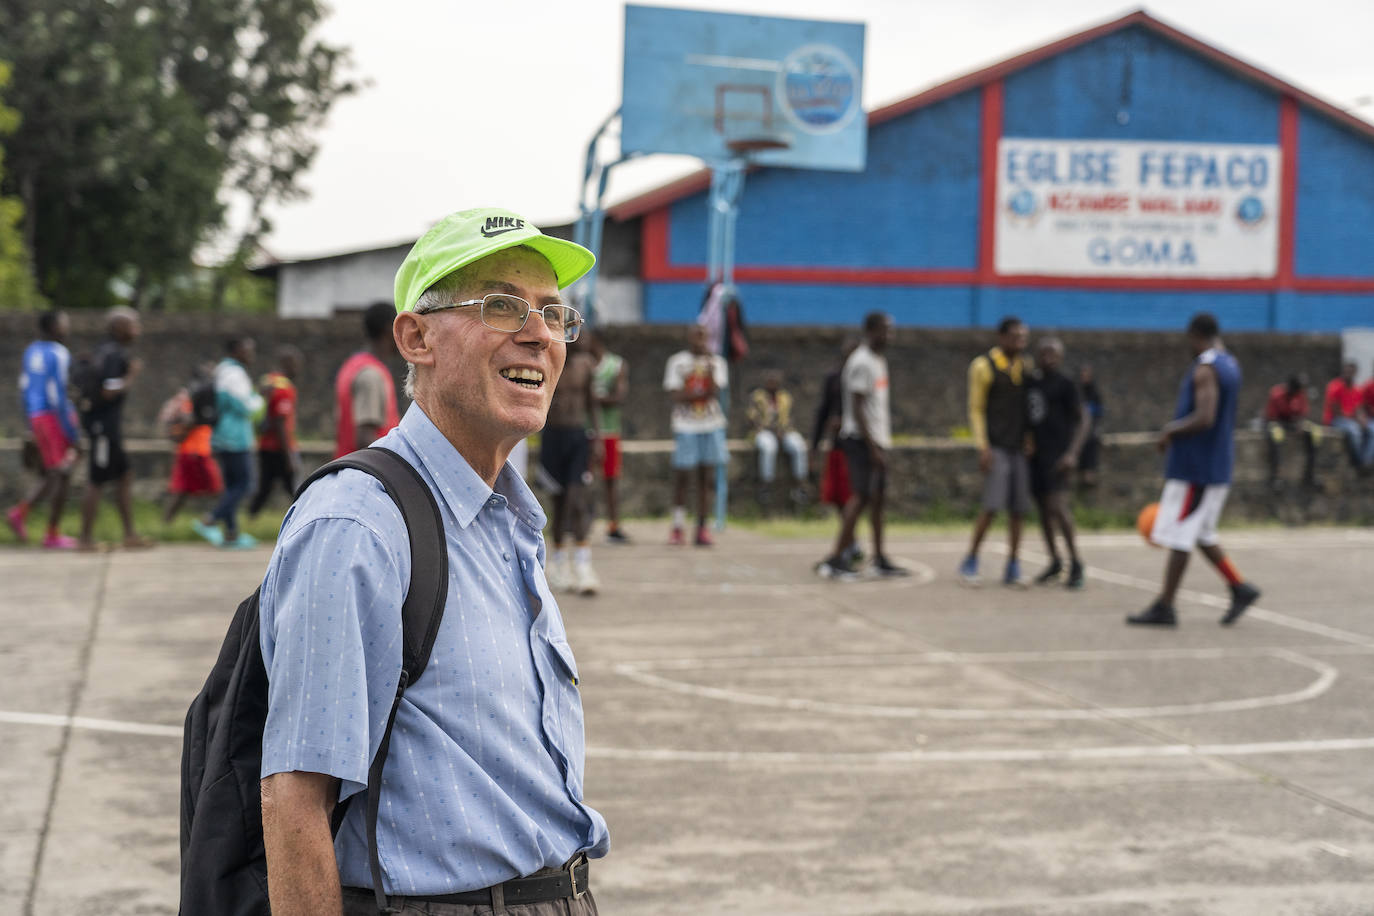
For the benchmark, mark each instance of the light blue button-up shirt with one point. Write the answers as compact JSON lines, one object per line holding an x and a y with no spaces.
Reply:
{"x":483,"y":779}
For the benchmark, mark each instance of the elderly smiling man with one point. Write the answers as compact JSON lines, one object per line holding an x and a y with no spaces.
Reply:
{"x":481,"y":804}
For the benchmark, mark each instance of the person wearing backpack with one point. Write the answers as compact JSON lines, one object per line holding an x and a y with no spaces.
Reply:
{"x":476,"y":803}
{"x":189,"y":418}
{"x":237,"y":404}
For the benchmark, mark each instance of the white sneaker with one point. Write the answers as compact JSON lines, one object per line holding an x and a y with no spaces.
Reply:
{"x":560,"y":575}
{"x":585,"y":581}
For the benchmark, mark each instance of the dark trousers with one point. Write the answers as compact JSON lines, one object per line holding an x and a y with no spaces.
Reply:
{"x":272,"y":467}
{"x":1277,"y":433}
{"x":237,"y":468}
{"x":364,"y":903}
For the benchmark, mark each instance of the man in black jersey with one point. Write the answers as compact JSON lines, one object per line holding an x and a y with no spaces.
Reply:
{"x":1059,"y":424}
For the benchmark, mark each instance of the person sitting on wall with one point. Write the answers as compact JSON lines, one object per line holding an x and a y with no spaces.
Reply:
{"x":770,"y":417}
{"x":1343,"y":409}
{"x":1285,"y":414}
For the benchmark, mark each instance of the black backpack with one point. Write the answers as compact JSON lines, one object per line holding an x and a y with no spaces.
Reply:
{"x":85,"y":380}
{"x":204,"y":403}
{"x":223,"y":864}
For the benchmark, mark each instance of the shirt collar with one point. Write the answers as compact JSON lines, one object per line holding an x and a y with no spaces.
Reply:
{"x":457,"y":484}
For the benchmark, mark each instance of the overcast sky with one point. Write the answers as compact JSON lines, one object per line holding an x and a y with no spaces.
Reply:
{"x":492,"y":104}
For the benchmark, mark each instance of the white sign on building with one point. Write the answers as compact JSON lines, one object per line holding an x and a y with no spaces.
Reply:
{"x":1105,"y":208}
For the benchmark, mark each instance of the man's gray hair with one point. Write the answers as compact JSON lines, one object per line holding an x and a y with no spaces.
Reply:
{"x":444,"y":291}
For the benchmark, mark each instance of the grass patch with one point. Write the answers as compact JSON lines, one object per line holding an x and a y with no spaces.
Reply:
{"x":147,"y":521}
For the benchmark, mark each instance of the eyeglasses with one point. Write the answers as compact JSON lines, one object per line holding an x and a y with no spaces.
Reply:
{"x":504,"y":312}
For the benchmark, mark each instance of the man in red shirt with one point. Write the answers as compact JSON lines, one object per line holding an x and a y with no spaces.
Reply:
{"x":1344,"y":409}
{"x":278,"y":456}
{"x":364,"y":393}
{"x":1285,"y":415}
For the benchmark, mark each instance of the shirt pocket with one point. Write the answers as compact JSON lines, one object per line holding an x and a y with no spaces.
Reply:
{"x":566,"y":699}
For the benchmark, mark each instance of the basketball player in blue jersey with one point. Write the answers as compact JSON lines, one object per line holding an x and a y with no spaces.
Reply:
{"x":1201,"y":450}
{"x":52,"y":423}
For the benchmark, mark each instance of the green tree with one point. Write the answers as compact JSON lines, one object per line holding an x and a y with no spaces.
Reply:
{"x":17,"y":289}
{"x":140,"y":115}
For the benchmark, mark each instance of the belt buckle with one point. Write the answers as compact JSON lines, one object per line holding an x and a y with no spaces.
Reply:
{"x":578,"y":893}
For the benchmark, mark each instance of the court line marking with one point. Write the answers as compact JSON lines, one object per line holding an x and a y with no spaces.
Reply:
{"x":1275,"y":617}
{"x":88,"y":724}
{"x":989,"y":755}
{"x":1240,"y":539}
{"x":1326,"y":677}
{"x":947,"y":657}
{"x":921,"y":574}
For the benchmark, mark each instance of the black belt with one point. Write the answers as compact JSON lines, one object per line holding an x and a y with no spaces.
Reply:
{"x":569,"y":881}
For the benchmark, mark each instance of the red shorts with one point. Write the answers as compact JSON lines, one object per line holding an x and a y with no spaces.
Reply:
{"x":610,"y":466}
{"x":195,"y":475}
{"x":50,"y":438}
{"x":835,"y":484}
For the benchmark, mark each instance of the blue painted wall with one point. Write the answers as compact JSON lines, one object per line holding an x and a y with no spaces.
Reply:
{"x":916,"y":205}
{"x":1334,"y":235}
{"x":1163,"y":91}
{"x":789,"y":303}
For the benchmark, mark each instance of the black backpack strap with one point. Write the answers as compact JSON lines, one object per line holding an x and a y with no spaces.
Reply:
{"x":421,"y":613}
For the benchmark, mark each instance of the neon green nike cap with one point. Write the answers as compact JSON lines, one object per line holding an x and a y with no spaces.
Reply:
{"x":470,"y":235}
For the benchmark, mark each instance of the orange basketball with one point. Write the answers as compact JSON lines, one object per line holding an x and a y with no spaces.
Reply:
{"x":1145,"y":522}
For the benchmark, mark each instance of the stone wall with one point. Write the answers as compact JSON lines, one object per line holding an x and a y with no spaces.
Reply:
{"x":1138,"y":372}
{"x":931,"y":478}
{"x":171,"y":345}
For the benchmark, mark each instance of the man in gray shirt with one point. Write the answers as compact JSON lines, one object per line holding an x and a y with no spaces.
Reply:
{"x":866,"y":439}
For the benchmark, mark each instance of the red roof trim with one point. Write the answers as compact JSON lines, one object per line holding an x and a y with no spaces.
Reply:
{"x":698,"y":181}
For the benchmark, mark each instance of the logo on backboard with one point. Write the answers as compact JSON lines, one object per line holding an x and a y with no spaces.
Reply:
{"x":819,"y":86}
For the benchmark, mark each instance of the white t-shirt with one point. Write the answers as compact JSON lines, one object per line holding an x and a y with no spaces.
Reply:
{"x":688,"y":372}
{"x":865,"y":372}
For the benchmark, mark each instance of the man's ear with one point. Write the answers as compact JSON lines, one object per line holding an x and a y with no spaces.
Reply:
{"x":409,"y":331}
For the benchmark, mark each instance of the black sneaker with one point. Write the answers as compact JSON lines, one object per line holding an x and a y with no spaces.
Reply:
{"x":854,"y":556}
{"x":1156,"y":615}
{"x":1242,"y":596}
{"x":836,"y":567}
{"x":1075,"y":580}
{"x":885,"y":567}
{"x":617,"y":537}
{"x":1051,"y":572}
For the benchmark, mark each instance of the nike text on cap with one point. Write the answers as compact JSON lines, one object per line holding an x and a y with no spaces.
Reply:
{"x":470,"y":235}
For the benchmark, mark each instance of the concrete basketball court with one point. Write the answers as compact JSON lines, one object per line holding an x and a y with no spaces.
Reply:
{"x":764,"y":742}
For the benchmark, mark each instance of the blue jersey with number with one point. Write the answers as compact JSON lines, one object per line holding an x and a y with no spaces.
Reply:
{"x":1207,"y":457}
{"x":43,"y":383}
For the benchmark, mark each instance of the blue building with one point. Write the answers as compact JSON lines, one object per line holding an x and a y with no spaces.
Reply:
{"x":1124,"y":177}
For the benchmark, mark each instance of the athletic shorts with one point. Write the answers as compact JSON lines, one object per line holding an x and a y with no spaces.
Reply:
{"x":1188,"y":514}
{"x":563,"y":453}
{"x":835,"y":489}
{"x":1045,"y":478}
{"x":692,"y":450}
{"x":108,"y":459}
{"x":865,"y":477}
{"x":1007,"y":487}
{"x":610,"y":464}
{"x":50,"y":438}
{"x":195,"y":475}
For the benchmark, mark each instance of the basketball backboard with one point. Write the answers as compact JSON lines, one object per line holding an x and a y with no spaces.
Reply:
{"x":786,"y":92}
